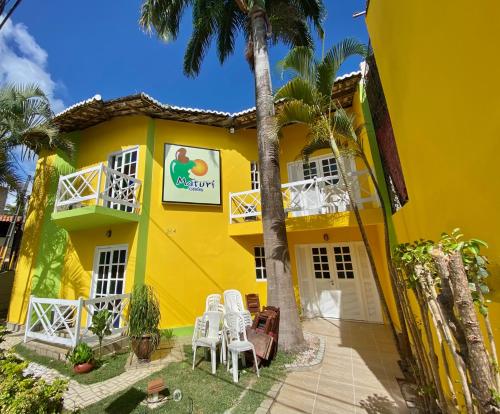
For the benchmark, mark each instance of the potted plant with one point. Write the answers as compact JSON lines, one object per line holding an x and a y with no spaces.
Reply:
{"x":82,"y":358}
{"x":144,"y":321}
{"x":100,"y":326}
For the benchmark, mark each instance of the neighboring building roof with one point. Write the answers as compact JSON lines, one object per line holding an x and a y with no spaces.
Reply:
{"x":95,"y":110}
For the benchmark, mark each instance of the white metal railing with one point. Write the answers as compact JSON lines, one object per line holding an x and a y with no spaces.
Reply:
{"x":99,"y":185}
{"x":61,"y":321}
{"x":308,"y":197}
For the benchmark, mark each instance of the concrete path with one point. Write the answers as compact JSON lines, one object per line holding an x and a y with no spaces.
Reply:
{"x":358,"y":373}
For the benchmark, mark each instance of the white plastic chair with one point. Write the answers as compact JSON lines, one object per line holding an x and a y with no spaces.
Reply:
{"x":233,"y":302}
{"x":238,"y":342}
{"x":207,"y":334}
{"x":212,"y":303}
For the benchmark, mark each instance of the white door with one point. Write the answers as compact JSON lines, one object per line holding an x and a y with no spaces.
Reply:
{"x":335,"y":282}
{"x":109,"y":272}
{"x":328,"y":296}
{"x":124,"y":162}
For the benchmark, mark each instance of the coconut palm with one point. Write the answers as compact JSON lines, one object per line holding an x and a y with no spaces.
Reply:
{"x":260,"y":22}
{"x":25,"y":121}
{"x":25,"y":124}
{"x":308,"y":101}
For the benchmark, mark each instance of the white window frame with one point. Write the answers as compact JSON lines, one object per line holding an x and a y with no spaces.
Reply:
{"x":135,"y":148}
{"x":254,"y":175}
{"x":261,"y":269}
{"x":293,"y":167}
{"x":95,"y":265}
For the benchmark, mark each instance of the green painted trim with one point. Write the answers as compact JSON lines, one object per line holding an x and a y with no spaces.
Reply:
{"x":53,"y":241}
{"x":142,"y":238}
{"x":183,"y":331}
{"x":89,"y":217}
{"x":377,"y":163}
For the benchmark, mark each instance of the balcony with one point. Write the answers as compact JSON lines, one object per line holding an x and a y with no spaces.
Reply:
{"x":96,"y":197}
{"x":319,"y":197}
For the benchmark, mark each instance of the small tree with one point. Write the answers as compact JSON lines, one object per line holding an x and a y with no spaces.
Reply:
{"x":101,"y":326}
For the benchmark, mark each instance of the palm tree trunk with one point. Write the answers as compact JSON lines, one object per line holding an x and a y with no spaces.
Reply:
{"x":280,"y":290}
{"x":364,"y":236}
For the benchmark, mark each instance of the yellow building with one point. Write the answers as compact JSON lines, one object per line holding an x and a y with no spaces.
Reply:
{"x":169,"y":196}
{"x":432,"y":59}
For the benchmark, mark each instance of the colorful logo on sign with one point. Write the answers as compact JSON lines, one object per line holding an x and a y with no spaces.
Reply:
{"x":182,"y":166}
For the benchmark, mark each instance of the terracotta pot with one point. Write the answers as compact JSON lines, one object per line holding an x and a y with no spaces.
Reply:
{"x":143,"y":347}
{"x":83,"y":368}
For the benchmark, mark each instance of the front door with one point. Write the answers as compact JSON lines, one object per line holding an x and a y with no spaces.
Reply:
{"x":109,"y":273}
{"x":335,"y":282}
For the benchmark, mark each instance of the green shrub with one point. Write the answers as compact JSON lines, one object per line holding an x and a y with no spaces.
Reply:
{"x":21,"y":394}
{"x":80,"y":354}
{"x":144,"y":313}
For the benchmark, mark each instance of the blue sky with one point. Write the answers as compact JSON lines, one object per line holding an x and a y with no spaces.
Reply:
{"x":75,"y":50}
{"x":97,"y":47}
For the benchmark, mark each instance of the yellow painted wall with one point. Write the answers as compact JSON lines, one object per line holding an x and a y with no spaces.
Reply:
{"x":438,"y":69}
{"x":34,"y":219}
{"x":190,"y":251}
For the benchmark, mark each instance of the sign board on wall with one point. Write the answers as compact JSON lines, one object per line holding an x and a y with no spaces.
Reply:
{"x":191,"y":175}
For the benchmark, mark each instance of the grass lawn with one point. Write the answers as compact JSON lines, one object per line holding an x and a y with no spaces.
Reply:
{"x":111,"y":365}
{"x":202,"y":392}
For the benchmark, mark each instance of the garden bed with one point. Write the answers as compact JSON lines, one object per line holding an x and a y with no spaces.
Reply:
{"x":202,"y":392}
{"x":111,"y":365}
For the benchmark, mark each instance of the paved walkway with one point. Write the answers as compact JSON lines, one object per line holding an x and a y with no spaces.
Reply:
{"x":358,"y":373}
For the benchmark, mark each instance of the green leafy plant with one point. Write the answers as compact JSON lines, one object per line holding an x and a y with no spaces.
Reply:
{"x":144,"y":314}
{"x":167,"y":334}
{"x":101,"y":326}
{"x":25,"y":394}
{"x":80,"y":354}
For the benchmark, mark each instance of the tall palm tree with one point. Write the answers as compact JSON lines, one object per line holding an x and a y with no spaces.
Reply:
{"x":261,"y":22}
{"x":308,"y":100}
{"x":25,"y":123}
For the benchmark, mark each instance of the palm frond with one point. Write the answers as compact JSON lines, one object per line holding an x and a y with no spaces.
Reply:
{"x":163,"y":17}
{"x":298,"y":89}
{"x":314,"y":10}
{"x":316,"y":143}
{"x":288,"y":26}
{"x":300,"y":62}
{"x":230,"y":21}
{"x":205,"y":19}
{"x":296,"y":112}
{"x":333,"y":60}
{"x":8,"y":170}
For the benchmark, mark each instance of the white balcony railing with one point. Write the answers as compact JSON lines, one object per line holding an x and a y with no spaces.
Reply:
{"x":304,"y":198}
{"x":99,"y":185}
{"x":61,"y":321}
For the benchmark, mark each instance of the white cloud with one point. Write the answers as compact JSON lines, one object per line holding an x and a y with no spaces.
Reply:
{"x":23,"y":60}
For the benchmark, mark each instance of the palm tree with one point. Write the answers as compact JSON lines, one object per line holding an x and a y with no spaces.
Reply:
{"x":25,"y":123}
{"x":308,"y":101}
{"x":260,"y":22}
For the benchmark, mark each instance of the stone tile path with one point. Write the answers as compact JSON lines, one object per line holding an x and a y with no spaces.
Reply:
{"x":358,"y":373}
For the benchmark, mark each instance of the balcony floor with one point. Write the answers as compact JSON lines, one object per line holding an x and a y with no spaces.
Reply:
{"x":311,"y":222}
{"x":88,"y":217}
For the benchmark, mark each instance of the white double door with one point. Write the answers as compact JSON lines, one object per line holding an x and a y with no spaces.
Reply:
{"x":335,"y":281}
